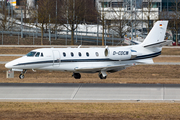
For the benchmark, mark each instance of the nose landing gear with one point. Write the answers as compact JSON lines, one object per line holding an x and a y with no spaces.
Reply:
{"x":21,"y":76}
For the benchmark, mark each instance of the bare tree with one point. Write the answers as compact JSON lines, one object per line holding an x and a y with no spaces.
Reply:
{"x":75,"y":12}
{"x":102,"y":18}
{"x":6,"y":21}
{"x":42,"y":13}
{"x":119,"y":20}
{"x":4,"y":6}
{"x":149,"y":13}
{"x":70,"y":13}
{"x":102,"y":21}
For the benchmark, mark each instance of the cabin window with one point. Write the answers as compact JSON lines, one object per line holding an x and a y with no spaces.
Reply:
{"x":87,"y":54}
{"x":97,"y":54}
{"x":72,"y":54}
{"x":80,"y":54}
{"x":42,"y":55}
{"x":31,"y":54}
{"x":64,"y":54}
{"x":37,"y":54}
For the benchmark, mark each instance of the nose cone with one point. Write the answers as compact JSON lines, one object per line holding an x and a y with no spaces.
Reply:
{"x":8,"y":65}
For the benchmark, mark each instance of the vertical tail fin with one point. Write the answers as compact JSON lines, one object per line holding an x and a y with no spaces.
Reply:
{"x":156,"y":35}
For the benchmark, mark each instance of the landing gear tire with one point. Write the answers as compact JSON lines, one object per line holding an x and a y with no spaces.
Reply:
{"x":101,"y":76}
{"x":21,"y":76}
{"x":77,"y":75}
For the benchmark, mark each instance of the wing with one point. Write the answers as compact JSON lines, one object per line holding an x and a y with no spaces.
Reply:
{"x":104,"y":68}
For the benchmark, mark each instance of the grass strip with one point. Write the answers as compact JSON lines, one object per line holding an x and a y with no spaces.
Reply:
{"x":48,"y":110}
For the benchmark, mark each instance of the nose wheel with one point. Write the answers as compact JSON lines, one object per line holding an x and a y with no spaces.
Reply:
{"x":21,"y":76}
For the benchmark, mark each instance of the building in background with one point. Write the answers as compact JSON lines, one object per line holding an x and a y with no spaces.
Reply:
{"x":19,"y":3}
{"x":12,"y":2}
{"x":141,"y":12}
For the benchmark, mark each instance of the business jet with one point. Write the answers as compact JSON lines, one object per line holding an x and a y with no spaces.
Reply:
{"x":91,"y":60}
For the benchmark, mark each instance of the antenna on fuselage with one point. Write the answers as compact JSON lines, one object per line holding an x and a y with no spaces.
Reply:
{"x":79,"y":46}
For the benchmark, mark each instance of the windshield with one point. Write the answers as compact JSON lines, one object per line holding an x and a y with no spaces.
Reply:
{"x":37,"y":54}
{"x":31,"y":54}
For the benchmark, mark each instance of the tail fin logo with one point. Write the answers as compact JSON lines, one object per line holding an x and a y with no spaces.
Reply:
{"x":160,"y":25}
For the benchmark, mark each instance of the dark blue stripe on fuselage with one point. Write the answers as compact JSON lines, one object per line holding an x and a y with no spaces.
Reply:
{"x":67,"y":60}
{"x":90,"y":60}
{"x":87,"y":60}
{"x":147,"y":56}
{"x":40,"y":62}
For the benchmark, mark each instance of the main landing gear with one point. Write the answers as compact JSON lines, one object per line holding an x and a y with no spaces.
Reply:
{"x":21,"y":76}
{"x":77,"y":75}
{"x":102,"y":75}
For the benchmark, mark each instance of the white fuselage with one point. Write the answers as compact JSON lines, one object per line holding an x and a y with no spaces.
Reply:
{"x":67,"y":59}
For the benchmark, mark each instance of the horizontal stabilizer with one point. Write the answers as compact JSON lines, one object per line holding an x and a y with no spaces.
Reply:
{"x":160,"y":44}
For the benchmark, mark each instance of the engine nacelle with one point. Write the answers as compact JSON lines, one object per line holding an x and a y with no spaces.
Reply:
{"x":120,"y":53}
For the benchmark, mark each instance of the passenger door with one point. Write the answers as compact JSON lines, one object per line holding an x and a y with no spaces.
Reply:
{"x":56,"y":58}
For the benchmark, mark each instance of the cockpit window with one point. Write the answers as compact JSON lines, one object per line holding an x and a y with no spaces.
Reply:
{"x":37,"y":54}
{"x":31,"y":54}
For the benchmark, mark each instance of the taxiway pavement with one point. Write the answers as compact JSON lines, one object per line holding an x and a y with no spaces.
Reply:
{"x":77,"y":91}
